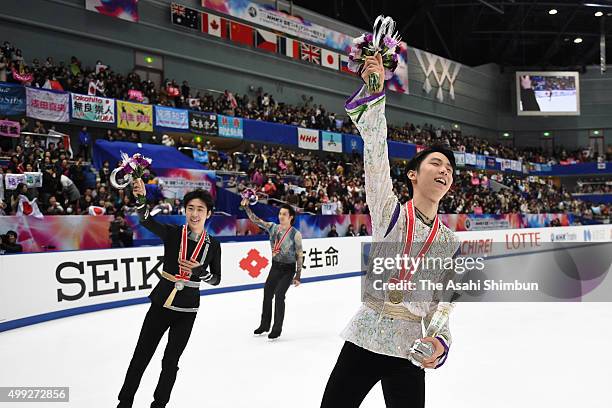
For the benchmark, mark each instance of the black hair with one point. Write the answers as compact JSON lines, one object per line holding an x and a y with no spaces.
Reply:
{"x":291,"y":212}
{"x":11,"y":232}
{"x":200,"y":194}
{"x":415,"y":162}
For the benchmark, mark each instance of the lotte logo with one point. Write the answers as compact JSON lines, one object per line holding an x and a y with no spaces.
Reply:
{"x":253,"y":263}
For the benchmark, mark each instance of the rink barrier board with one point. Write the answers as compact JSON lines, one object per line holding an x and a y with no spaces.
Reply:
{"x":27,"y":321}
{"x":76,"y":282}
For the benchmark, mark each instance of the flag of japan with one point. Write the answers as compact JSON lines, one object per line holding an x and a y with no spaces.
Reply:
{"x":330,"y":59}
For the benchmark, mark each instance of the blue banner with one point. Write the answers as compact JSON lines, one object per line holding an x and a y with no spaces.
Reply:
{"x":171,"y":118}
{"x":401,"y":150}
{"x":267,"y":132}
{"x":230,"y":126}
{"x":352,"y":143}
{"x":594,"y":198}
{"x":200,"y":156}
{"x":491,"y":163}
{"x":481,"y":161}
{"x":573,"y":169}
{"x":12,"y":99}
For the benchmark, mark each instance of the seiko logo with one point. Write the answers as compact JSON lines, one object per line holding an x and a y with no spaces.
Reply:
{"x":105,"y":275}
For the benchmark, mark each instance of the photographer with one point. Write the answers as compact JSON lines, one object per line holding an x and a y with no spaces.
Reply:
{"x":121,"y":234}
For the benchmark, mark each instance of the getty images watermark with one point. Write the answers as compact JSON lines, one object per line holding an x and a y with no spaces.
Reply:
{"x":551,"y":272}
{"x":409,"y":265}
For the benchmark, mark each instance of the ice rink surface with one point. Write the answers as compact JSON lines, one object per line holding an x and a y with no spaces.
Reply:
{"x":558,"y":103}
{"x":503,"y":355}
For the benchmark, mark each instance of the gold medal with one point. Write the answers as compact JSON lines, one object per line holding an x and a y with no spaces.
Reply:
{"x":396,"y":297}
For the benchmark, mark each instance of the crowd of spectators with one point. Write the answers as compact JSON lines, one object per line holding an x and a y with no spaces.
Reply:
{"x":313,"y":182}
{"x":595,"y":185}
{"x":100,"y":79}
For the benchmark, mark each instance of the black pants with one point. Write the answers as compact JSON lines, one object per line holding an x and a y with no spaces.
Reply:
{"x":277,"y":284}
{"x":358,"y":370}
{"x":156,"y":322}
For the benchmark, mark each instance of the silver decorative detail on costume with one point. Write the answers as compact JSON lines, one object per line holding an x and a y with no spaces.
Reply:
{"x":179,"y":285}
{"x":441,"y":77}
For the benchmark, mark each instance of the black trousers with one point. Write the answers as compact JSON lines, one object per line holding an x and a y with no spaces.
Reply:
{"x":156,"y":322}
{"x":358,"y":370}
{"x":278,"y":282}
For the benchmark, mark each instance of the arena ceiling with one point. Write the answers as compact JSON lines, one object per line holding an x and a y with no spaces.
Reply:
{"x":511,"y":33}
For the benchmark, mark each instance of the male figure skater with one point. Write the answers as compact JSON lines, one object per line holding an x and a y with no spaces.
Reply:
{"x":380,"y":335}
{"x":191,"y":256}
{"x":287,"y":256}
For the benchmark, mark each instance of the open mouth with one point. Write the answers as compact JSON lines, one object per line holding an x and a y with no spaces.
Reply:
{"x":440,"y":180}
{"x":194,"y":220}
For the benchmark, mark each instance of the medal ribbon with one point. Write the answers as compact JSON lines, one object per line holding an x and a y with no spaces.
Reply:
{"x":184,"y":272}
{"x":277,"y":244}
{"x":406,"y":276}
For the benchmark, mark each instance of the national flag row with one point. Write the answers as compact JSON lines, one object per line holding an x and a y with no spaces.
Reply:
{"x":257,"y":38}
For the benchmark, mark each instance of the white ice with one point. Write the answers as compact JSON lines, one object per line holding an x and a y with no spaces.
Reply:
{"x":558,"y":103}
{"x":504,"y":355}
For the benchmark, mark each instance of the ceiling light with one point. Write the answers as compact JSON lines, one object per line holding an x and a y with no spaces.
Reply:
{"x":552,"y":11}
{"x":598,"y":5}
{"x":577,"y":40}
{"x":598,"y":14}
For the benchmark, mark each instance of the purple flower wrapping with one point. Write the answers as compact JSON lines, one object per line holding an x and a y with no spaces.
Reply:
{"x":362,"y":47}
{"x":127,"y":169}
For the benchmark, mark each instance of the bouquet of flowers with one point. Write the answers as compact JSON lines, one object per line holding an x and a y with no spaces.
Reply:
{"x":384,"y":41}
{"x":251,"y":195}
{"x":130,"y":167}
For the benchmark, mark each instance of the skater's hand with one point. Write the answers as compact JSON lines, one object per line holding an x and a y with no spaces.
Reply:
{"x":138,"y":188}
{"x":432,"y":362}
{"x":244,"y":202}
{"x":187,"y":264}
{"x":296,"y":282}
{"x":373,"y":65}
{"x":525,"y":82}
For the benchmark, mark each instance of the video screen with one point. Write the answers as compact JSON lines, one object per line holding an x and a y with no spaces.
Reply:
{"x":547,"y":93}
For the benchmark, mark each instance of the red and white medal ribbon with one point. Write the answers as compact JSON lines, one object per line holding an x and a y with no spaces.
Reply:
{"x":406,"y":275}
{"x":277,"y":244}
{"x":184,"y":272}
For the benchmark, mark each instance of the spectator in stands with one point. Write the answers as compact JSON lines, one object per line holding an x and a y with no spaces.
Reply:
{"x":84,"y":142}
{"x":178,"y":208}
{"x":162,"y":207}
{"x":269,"y":188}
{"x":350,"y":232}
{"x":70,"y":191}
{"x":3,"y":68}
{"x":121,"y":234}
{"x":8,"y":243}
{"x":332,"y":232}
{"x":54,"y":208}
{"x":105,"y":172}
{"x":363,"y":231}
{"x":257,"y":178}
